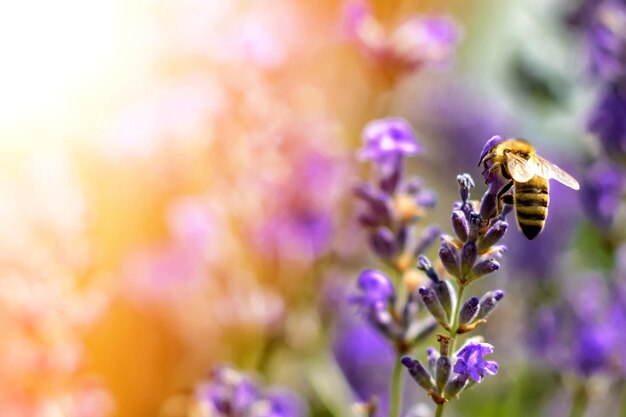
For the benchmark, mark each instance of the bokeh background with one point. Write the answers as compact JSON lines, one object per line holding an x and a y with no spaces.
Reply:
{"x":176,"y":193}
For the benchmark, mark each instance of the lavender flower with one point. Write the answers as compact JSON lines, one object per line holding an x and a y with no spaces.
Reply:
{"x":584,"y":333}
{"x":393,"y":205}
{"x":386,"y":141}
{"x":365,"y":358}
{"x":607,"y":39}
{"x":415,"y":42}
{"x":603,"y":22}
{"x":400,"y":324}
{"x":467,"y":256}
{"x":473,"y":252}
{"x":470,"y":361}
{"x":377,"y":290}
{"x":608,"y":121}
{"x":602,"y":192}
{"x":232,"y":394}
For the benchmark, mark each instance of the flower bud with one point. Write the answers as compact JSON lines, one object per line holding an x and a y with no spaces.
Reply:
{"x":389,"y":182}
{"x":412,"y":186}
{"x":448,"y":254}
{"x":376,"y":289}
{"x":379,"y":203}
{"x":492,"y":235}
{"x":384,"y":322}
{"x":455,"y":386}
{"x":476,"y":225}
{"x":427,"y":199}
{"x":444,"y":291}
{"x":418,"y":372}
{"x":434,"y":306}
{"x":423,"y":264}
{"x":369,"y":220}
{"x":466,"y":183}
{"x":428,"y":237}
{"x":483,"y":268}
{"x":442,"y":373}
{"x":410,"y":308}
{"x":383,"y":243}
{"x":488,"y":302}
{"x":469,"y":253}
{"x":489,"y":203}
{"x":402,"y":236}
{"x":469,"y":310}
{"x":460,"y":225}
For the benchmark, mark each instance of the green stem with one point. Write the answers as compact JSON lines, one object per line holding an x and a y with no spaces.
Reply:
{"x":455,"y":319}
{"x":396,"y":384}
{"x":623,"y":406}
{"x":580,"y":400}
{"x":454,"y":324}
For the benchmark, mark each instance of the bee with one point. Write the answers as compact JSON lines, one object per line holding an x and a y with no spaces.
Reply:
{"x":517,"y":162}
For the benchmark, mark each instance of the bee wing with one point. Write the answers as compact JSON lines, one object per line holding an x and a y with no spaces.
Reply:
{"x":520,"y":169}
{"x":548,"y":170}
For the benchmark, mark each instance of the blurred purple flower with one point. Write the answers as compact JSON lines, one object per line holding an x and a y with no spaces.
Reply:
{"x":591,"y":349}
{"x":603,"y":22}
{"x":232,"y":394}
{"x":365,"y":358}
{"x":280,"y":403}
{"x":470,"y":361}
{"x":376,"y":288}
{"x":294,"y":234}
{"x":417,"y":41}
{"x":602,"y":192}
{"x":299,"y":222}
{"x":608,"y":121}
{"x":584,"y":333}
{"x":386,"y":141}
{"x":607,"y":39}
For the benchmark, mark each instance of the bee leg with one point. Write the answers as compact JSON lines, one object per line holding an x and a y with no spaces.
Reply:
{"x":506,"y":199}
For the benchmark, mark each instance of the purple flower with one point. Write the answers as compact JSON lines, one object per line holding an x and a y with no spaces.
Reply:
{"x":280,"y":403}
{"x":470,"y":361}
{"x":603,"y":22}
{"x":376,"y":289}
{"x":584,"y":334}
{"x":386,"y":141}
{"x":297,"y":223}
{"x":608,"y":122}
{"x":602,"y":192}
{"x":417,"y":41}
{"x":229,"y":393}
{"x":607,"y":40}
{"x":365,"y":358}
{"x":232,"y":394}
{"x":591,"y":349}
{"x":422,"y":40}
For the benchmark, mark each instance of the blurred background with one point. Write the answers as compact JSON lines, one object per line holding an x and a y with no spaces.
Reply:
{"x":176,"y":193}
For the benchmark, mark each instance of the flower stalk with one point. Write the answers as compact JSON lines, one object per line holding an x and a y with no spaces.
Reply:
{"x":396,"y":387}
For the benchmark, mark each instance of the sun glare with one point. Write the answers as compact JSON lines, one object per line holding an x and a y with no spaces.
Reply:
{"x":52,"y":51}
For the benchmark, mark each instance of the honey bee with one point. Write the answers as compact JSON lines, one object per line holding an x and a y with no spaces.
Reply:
{"x":517,"y":161}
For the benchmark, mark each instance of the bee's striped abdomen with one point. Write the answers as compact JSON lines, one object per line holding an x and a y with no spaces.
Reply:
{"x":531,"y":205}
